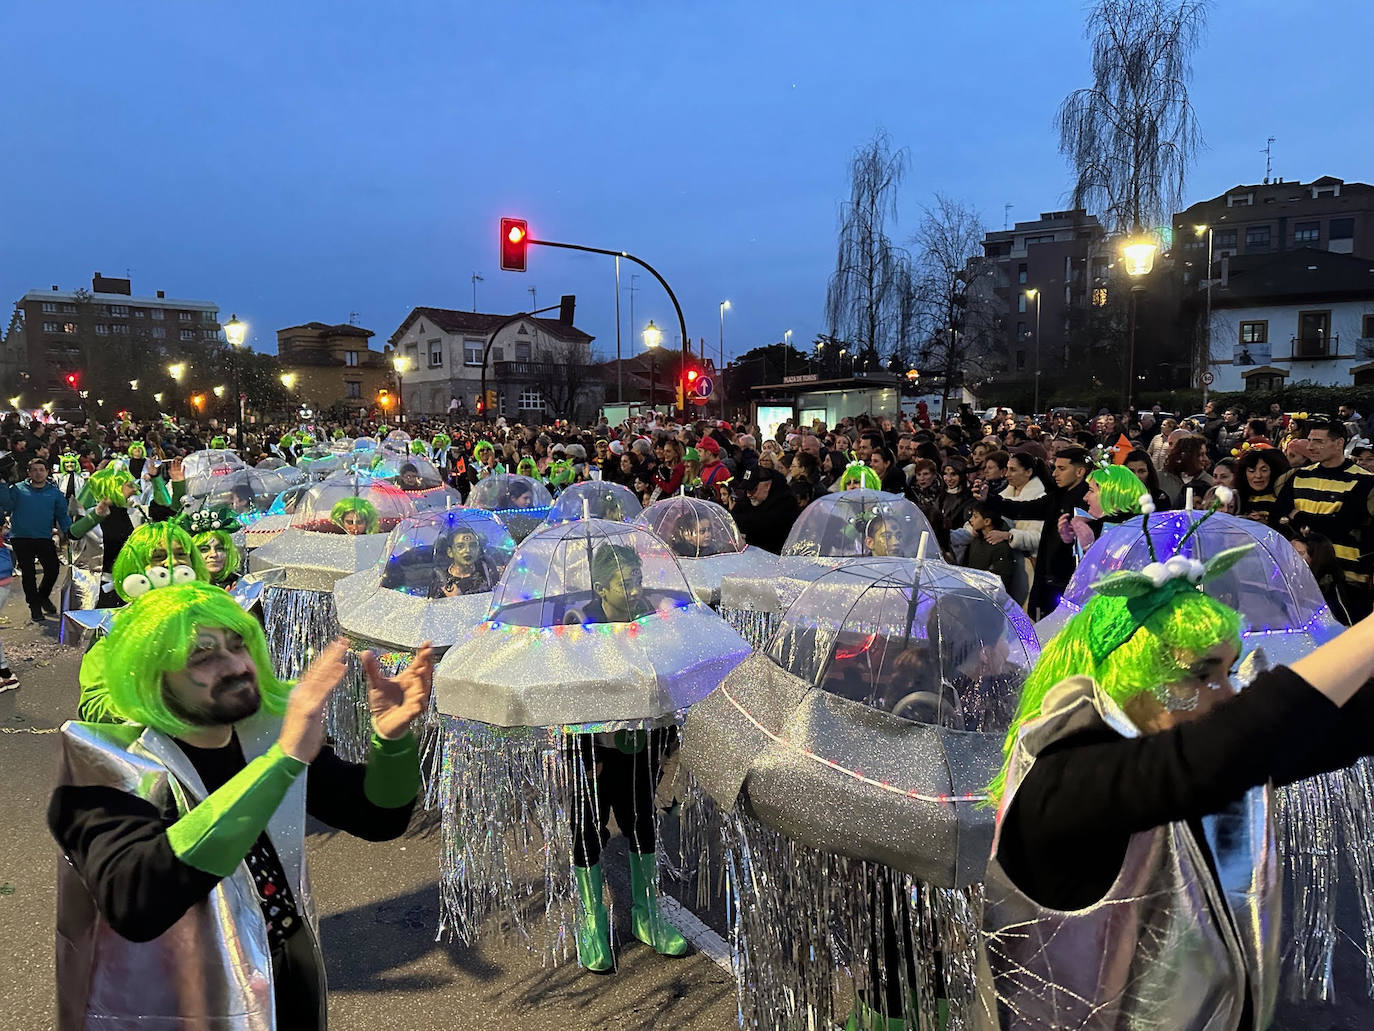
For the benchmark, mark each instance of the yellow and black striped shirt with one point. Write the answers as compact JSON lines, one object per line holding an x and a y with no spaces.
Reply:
{"x":1337,"y":503}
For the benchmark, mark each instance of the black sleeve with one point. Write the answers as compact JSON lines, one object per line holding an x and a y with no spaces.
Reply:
{"x":118,"y":844}
{"x":1043,"y":507}
{"x":1350,"y":740}
{"x":334,"y":795}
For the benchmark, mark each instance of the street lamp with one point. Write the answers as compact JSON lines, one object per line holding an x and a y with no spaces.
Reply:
{"x":400,"y":363}
{"x":157,"y":398}
{"x":219,"y":391}
{"x":288,"y":380}
{"x":786,"y":346}
{"x":1206,"y":362}
{"x":235,"y":332}
{"x":133,"y":384}
{"x":14,"y":401}
{"x":1138,"y":252}
{"x":844,"y":351}
{"x":652,"y":336}
{"x":176,"y":370}
{"x":1035,"y":294}
{"x":720,"y":373}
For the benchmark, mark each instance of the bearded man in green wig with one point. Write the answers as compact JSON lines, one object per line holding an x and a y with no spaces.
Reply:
{"x":1133,"y":879}
{"x":183,"y":896}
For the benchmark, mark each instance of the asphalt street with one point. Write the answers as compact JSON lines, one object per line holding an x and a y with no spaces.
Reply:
{"x":379,"y":913}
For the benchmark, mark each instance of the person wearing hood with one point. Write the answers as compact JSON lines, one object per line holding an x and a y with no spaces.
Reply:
{"x":764,"y":509}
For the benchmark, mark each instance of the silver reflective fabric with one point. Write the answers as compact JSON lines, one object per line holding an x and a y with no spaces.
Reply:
{"x":316,"y":561}
{"x":213,"y":967}
{"x":1163,"y":950}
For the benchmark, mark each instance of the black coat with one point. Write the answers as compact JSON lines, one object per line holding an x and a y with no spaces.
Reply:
{"x":767,"y":525}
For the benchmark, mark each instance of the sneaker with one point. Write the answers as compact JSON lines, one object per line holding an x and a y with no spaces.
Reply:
{"x":7,"y":681}
{"x":49,"y":607}
{"x":37,"y":614}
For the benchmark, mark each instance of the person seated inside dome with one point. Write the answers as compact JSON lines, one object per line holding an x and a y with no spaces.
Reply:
{"x":617,"y":586}
{"x":461,"y":564}
{"x":882,"y":536}
{"x":355,"y":516}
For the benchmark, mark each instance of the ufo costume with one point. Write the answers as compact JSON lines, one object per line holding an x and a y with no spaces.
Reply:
{"x":521,"y":502}
{"x":707,"y":543}
{"x":183,"y":898}
{"x":558,"y":711}
{"x":595,"y":499}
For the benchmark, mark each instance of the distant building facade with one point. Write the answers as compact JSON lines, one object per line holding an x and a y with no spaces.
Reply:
{"x":537,"y":367}
{"x":332,"y":364}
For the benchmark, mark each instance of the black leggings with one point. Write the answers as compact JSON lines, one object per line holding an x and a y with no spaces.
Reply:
{"x":607,"y":780}
{"x":29,"y":551}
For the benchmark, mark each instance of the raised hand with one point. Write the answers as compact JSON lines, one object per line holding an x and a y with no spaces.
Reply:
{"x":395,"y":701}
{"x":302,"y":727}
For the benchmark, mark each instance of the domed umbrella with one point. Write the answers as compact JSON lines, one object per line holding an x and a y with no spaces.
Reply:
{"x":831,"y":531}
{"x":593,"y":632}
{"x":707,"y":543}
{"x":249,"y":492}
{"x":595,"y":499}
{"x":850,"y":761}
{"x":521,"y":501}
{"x":203,"y":469}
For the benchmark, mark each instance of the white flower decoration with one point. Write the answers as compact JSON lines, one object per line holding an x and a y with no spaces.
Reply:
{"x":1224,"y":495}
{"x":1147,"y":504}
{"x":1157,"y":572}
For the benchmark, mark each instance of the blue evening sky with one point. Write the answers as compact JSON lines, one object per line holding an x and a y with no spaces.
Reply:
{"x":305,"y":159}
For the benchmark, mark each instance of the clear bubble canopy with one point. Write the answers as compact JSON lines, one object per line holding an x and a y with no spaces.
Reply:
{"x":589,"y":571}
{"x":501,"y":491}
{"x":859,"y":523}
{"x":925,"y":641}
{"x":247,"y":491}
{"x":693,"y":527}
{"x":352,"y":503}
{"x":595,"y":499}
{"x":446,"y":554}
{"x":204,"y":468}
{"x":410,"y":472}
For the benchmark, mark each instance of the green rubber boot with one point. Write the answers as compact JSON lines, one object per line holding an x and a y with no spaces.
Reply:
{"x":593,"y":927}
{"x":649,"y":925}
{"x":866,"y":1018}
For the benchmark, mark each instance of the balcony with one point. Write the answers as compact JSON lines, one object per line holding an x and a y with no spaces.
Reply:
{"x":524,"y":370}
{"x":1364,"y":347}
{"x":1317,"y":348}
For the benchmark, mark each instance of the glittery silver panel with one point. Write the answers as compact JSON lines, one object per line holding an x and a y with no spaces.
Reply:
{"x":755,"y":625}
{"x":523,"y":677}
{"x":805,"y":932}
{"x":1354,"y":788}
{"x":315,"y":561}
{"x":405,"y":621}
{"x":843,"y":777}
{"x":505,"y":796}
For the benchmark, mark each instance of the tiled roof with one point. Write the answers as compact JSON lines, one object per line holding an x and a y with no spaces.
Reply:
{"x":343,"y":329}
{"x":480,"y":324}
{"x":1303,"y":273}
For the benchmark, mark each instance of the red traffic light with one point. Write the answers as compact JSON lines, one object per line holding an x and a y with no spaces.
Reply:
{"x":72,"y":380}
{"x":515,"y":239}
{"x":692,"y":375}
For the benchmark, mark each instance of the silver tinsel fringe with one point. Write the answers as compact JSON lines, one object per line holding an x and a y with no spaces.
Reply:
{"x":754,"y":625}
{"x":1305,"y":818}
{"x":1354,"y":787}
{"x":506,"y":798}
{"x":805,"y":937}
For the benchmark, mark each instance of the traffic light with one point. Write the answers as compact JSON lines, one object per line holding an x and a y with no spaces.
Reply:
{"x":481,"y":406}
{"x":384,"y":398}
{"x":72,"y":380}
{"x":515,"y":239}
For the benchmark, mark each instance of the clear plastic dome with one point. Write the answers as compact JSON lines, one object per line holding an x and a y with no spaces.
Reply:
{"x":447,"y":554}
{"x":595,"y":499}
{"x":364,"y":444}
{"x":352,"y":504}
{"x":252,"y":491}
{"x":589,"y":571}
{"x":397,"y":440}
{"x":692,"y":527}
{"x":285,"y":503}
{"x":409,"y":472}
{"x":521,"y":501}
{"x":204,"y":468}
{"x":1271,"y":586}
{"x":436,"y":499}
{"x":860,"y":523}
{"x":272,"y":462}
{"x":926,"y":641}
{"x":319,"y":462}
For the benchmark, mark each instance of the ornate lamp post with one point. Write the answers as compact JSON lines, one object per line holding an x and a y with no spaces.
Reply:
{"x":652,"y":336}
{"x":235,"y":332}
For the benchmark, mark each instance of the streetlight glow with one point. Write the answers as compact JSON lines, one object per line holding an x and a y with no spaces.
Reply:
{"x":176,"y":370}
{"x":653,"y":336}
{"x":235,"y":331}
{"x":219,"y":390}
{"x":288,"y":380}
{"x":14,"y":401}
{"x":724,"y":305}
{"x":400,"y":363}
{"x":158,"y":397}
{"x":133,"y":384}
{"x":1139,"y":255}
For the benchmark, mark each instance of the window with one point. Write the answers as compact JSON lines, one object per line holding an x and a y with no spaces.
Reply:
{"x":1033,"y":241}
{"x":1367,"y":327}
{"x":140,"y":313}
{"x":531,"y":400}
{"x":156,"y":314}
{"x":522,"y":350}
{"x":355,"y":389}
{"x":1240,"y":200}
{"x":159,"y":333}
{"x":1314,"y":335}
{"x":436,"y":354}
{"x":69,"y":328}
{"x":1021,"y":303}
{"x":52,"y":327}
{"x":101,"y":329}
{"x":49,"y":307}
{"x":1340,"y":235}
{"x":68,"y":309}
{"x":210,"y":334}
{"x":120,"y":310}
{"x":472,"y":351}
{"x":412,"y":357}
{"x":1223,"y":238}
{"x":1020,"y":360}
{"x":1254,"y":332}
{"x":351,"y":359}
{"x":1020,"y":331}
{"x":1266,"y":382}
{"x":120,"y":328}
{"x":188,"y":334}
{"x":1257,"y":238}
{"x":183,"y":316}
{"x":498,"y":354}
{"x":1099,"y":297}
{"x":1021,"y":273}
{"x":209,"y":316}
{"x":1306,"y":233}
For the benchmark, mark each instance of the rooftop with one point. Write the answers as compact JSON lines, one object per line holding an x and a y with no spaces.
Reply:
{"x":69,"y":296}
{"x":1304,"y":273}
{"x":342,"y":329}
{"x":450,"y":320}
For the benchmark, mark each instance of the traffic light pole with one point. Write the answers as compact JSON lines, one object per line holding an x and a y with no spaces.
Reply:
{"x":681,"y":322}
{"x":491,"y":339}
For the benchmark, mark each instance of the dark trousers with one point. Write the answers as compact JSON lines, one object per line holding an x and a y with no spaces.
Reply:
{"x":609,"y":780}
{"x":297,"y":993}
{"x":28,"y":551}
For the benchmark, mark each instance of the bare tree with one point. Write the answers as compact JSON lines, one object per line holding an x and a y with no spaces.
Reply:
{"x":952,"y":295}
{"x":1132,"y":134}
{"x":564,"y":371}
{"x":861,"y":301}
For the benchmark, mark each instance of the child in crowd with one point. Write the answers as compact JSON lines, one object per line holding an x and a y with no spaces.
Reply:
{"x":998,"y":558}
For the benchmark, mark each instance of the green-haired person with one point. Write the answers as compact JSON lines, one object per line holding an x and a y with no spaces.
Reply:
{"x":441,"y":443}
{"x":183,"y":896}
{"x":858,"y":476}
{"x":355,"y":516}
{"x":484,"y":455}
{"x":156,"y":555}
{"x":1114,"y":494}
{"x":1133,"y":879}
{"x":212,"y":532}
{"x":527,"y":466}
{"x":113,"y":512}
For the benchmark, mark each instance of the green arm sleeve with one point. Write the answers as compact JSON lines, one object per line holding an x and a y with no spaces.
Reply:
{"x":217,"y":834}
{"x":94,"y":705}
{"x":83,"y":526}
{"x":393,"y":772}
{"x":161,"y":496}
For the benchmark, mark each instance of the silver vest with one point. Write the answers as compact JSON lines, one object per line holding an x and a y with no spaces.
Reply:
{"x":1163,"y":950}
{"x":212,"y":969}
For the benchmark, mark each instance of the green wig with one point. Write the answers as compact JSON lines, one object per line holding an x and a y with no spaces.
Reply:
{"x":218,"y":443}
{"x":862,"y":474}
{"x":353,"y":503}
{"x":287,"y":439}
{"x":137,"y":449}
{"x":442,"y":441}
{"x":483,"y":445}
{"x":1118,"y":490}
{"x":527,"y":467}
{"x":232,"y":559}
{"x":1158,"y":652}
{"x":418,"y":447}
{"x":153,"y":636}
{"x":136,"y":554}
{"x":108,"y":485}
{"x":561,"y":473}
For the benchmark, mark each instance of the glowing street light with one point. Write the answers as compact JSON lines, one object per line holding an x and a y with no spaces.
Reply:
{"x":652,"y":336}
{"x":176,"y":370}
{"x":1138,"y":252}
{"x":133,"y":384}
{"x":14,"y":401}
{"x":234,"y":331}
{"x":219,"y":390}
{"x":401,"y":363}
{"x":288,"y":380}
{"x":158,"y":397}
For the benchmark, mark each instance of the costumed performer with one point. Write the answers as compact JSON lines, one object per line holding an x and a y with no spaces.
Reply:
{"x":626,"y":766}
{"x":111,"y":509}
{"x":183,"y":897}
{"x":858,"y":476}
{"x":461,"y":564}
{"x":1133,"y":878}
{"x":212,"y":532}
{"x":355,"y":516}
